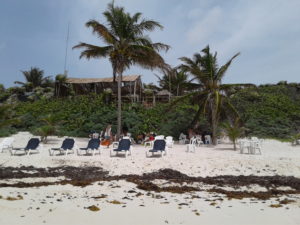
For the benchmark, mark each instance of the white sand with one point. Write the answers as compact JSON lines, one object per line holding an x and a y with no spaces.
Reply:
{"x":277,"y":159}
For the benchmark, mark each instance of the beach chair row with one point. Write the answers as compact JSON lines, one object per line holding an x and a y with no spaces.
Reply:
{"x":68,"y":146}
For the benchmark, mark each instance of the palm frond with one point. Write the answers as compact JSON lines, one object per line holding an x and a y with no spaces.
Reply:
{"x":101,"y":31}
{"x":93,"y":51}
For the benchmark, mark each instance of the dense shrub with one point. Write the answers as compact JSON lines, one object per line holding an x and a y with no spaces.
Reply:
{"x":77,"y":116}
{"x":270,"y":110}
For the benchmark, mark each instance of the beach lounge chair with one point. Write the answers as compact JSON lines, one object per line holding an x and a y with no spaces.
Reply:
{"x":169,"y":141}
{"x":158,"y":146}
{"x":92,"y":148}
{"x":123,"y":147}
{"x":66,"y":147}
{"x":32,"y":145}
{"x":6,"y":143}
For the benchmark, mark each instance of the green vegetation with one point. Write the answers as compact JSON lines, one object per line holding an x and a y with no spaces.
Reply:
{"x":77,"y":116}
{"x":267,"y":111}
{"x":270,"y":111}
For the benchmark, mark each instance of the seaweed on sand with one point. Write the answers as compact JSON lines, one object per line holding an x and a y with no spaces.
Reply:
{"x":83,"y":176}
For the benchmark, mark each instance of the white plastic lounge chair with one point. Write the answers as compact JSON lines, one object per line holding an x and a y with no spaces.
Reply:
{"x":6,"y":143}
{"x":32,"y":145}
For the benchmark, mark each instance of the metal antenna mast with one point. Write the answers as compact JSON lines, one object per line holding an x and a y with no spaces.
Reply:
{"x":66,"y":55}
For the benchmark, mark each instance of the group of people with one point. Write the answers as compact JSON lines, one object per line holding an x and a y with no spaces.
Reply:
{"x":105,"y":136}
{"x":142,"y":138}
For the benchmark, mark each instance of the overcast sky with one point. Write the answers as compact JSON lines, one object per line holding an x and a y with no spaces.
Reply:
{"x":266,"y":32}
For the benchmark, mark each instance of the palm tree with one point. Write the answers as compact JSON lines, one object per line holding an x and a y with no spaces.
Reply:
{"x":233,"y":130}
{"x":175,"y":80}
{"x":125,"y":44}
{"x":211,"y":93}
{"x":34,"y":78}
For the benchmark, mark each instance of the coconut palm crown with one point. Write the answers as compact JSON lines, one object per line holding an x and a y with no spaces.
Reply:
{"x":35,"y":78}
{"x":125,"y":44}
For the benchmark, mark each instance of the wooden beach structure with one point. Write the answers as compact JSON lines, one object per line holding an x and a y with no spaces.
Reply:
{"x":131,"y":87}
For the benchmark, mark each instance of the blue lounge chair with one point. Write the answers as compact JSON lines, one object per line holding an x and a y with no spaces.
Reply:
{"x":159,"y":146}
{"x":124,"y":147}
{"x":66,"y":147}
{"x":92,"y":147}
{"x":32,"y":145}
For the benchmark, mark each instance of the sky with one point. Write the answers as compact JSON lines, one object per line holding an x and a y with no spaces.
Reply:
{"x":266,"y":33}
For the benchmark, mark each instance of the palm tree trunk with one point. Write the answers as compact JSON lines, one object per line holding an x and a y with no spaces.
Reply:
{"x":119,"y":106}
{"x":214,"y":125}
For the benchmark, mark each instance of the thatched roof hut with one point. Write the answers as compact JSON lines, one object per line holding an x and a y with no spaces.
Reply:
{"x":131,"y":86}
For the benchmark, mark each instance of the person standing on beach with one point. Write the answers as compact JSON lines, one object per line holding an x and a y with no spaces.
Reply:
{"x":107,"y":134}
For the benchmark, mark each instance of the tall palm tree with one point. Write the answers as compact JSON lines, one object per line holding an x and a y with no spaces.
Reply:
{"x":34,"y":78}
{"x":211,"y":93}
{"x":125,"y":44}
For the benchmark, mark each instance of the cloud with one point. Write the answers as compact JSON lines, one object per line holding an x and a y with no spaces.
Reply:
{"x":203,"y":29}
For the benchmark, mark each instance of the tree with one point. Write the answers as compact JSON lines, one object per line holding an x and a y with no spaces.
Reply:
{"x":233,"y":130}
{"x":176,"y":81}
{"x":34,"y":78}
{"x":60,"y":80}
{"x":125,"y":45}
{"x":49,"y":128}
{"x":211,"y":93}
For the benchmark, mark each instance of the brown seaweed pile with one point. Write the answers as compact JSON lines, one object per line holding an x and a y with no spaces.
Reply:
{"x":83,"y":176}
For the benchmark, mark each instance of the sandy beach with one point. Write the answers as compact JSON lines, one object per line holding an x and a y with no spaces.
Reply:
{"x":119,"y":200}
